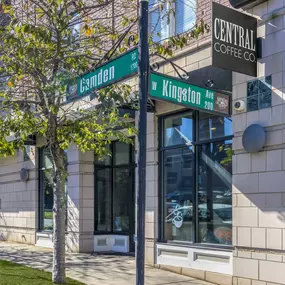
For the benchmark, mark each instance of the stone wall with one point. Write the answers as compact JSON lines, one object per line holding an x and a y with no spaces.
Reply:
{"x":18,"y":199}
{"x":80,"y":202}
{"x":259,"y":179}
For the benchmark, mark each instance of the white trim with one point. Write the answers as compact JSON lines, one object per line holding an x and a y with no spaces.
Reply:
{"x":44,"y":240}
{"x":213,"y":260}
{"x":116,"y":243}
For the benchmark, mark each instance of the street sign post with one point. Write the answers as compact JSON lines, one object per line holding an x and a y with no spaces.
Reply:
{"x":143,"y":74}
{"x":180,"y":92}
{"x":109,"y":73}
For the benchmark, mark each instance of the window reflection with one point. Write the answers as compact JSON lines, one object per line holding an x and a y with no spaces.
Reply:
{"x":46,"y":194}
{"x":211,"y":126}
{"x":121,"y":196}
{"x":122,"y":153}
{"x":259,"y":93}
{"x":178,"y":189}
{"x":114,"y":190}
{"x":48,"y":199}
{"x":205,"y":168}
{"x":215,"y":193}
{"x":103,"y":218}
{"x":178,"y":130}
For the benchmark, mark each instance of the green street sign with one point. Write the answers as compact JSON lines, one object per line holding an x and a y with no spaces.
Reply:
{"x":180,"y":92}
{"x":109,"y":73}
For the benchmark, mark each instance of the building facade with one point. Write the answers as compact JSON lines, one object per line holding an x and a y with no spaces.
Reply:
{"x":214,"y":210}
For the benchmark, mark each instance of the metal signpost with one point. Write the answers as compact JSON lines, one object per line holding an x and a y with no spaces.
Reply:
{"x":143,"y":72}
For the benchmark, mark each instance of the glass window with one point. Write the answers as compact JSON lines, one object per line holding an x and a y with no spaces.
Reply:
{"x":75,"y":27}
{"x":48,"y":199}
{"x":121,"y":200}
{"x":122,"y":153}
{"x":178,"y":130}
{"x":103,"y":184}
{"x":105,"y":159}
{"x":185,"y":18}
{"x":215,"y":193}
{"x":178,"y":194}
{"x":196,"y":179}
{"x":114,"y":191}
{"x":46,"y":189}
{"x":259,"y":93}
{"x":158,"y":18}
{"x":164,"y":22}
{"x":212,"y":126}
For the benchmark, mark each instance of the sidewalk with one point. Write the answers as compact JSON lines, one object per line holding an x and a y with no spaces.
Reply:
{"x":96,"y":269}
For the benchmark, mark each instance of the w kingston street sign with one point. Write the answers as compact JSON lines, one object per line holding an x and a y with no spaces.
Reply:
{"x":180,"y":92}
{"x":109,"y":73}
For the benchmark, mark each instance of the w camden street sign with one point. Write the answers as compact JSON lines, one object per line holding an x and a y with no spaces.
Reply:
{"x":234,"y":40}
{"x":111,"y":72}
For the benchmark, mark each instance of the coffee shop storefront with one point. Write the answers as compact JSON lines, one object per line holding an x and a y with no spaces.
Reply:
{"x":189,"y":215}
{"x":193,"y":204}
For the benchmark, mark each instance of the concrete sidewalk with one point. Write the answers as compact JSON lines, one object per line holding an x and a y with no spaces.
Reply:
{"x":93,"y":269}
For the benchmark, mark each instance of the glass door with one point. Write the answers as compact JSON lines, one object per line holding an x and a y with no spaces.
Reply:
{"x":123,"y":203}
{"x":114,"y":193}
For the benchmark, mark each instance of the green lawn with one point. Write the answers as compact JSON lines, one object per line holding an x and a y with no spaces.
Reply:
{"x":15,"y":274}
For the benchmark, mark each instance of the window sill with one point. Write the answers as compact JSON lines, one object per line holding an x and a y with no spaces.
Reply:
{"x":216,"y":247}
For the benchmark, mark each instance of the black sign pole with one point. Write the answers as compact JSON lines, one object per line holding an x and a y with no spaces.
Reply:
{"x":143,"y":68}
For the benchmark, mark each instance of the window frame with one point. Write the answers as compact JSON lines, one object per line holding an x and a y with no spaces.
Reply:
{"x":161,"y":205}
{"x":171,"y":27}
{"x":112,"y":166}
{"x":257,"y":96}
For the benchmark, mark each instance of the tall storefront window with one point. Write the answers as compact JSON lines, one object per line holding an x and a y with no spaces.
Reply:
{"x":46,"y":175}
{"x":196,"y":168}
{"x":215,"y":192}
{"x":114,"y":191}
{"x":178,"y":181}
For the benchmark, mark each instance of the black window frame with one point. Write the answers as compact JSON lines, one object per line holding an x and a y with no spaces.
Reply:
{"x":161,"y":204}
{"x":112,"y":166}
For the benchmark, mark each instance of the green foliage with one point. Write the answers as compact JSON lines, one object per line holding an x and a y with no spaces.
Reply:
{"x":41,"y":55}
{"x":48,"y":215}
{"x":229,"y":155}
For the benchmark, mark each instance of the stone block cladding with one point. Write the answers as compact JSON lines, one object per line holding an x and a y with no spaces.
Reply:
{"x":18,"y":199}
{"x":258,"y":179}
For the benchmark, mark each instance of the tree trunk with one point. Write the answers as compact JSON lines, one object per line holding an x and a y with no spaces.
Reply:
{"x":59,"y":213}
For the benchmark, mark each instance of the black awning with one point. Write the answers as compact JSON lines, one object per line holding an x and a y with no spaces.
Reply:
{"x":212,"y":77}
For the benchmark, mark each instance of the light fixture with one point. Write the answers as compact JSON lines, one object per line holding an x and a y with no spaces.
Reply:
{"x":24,"y":174}
{"x":185,"y":76}
{"x":210,"y":83}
